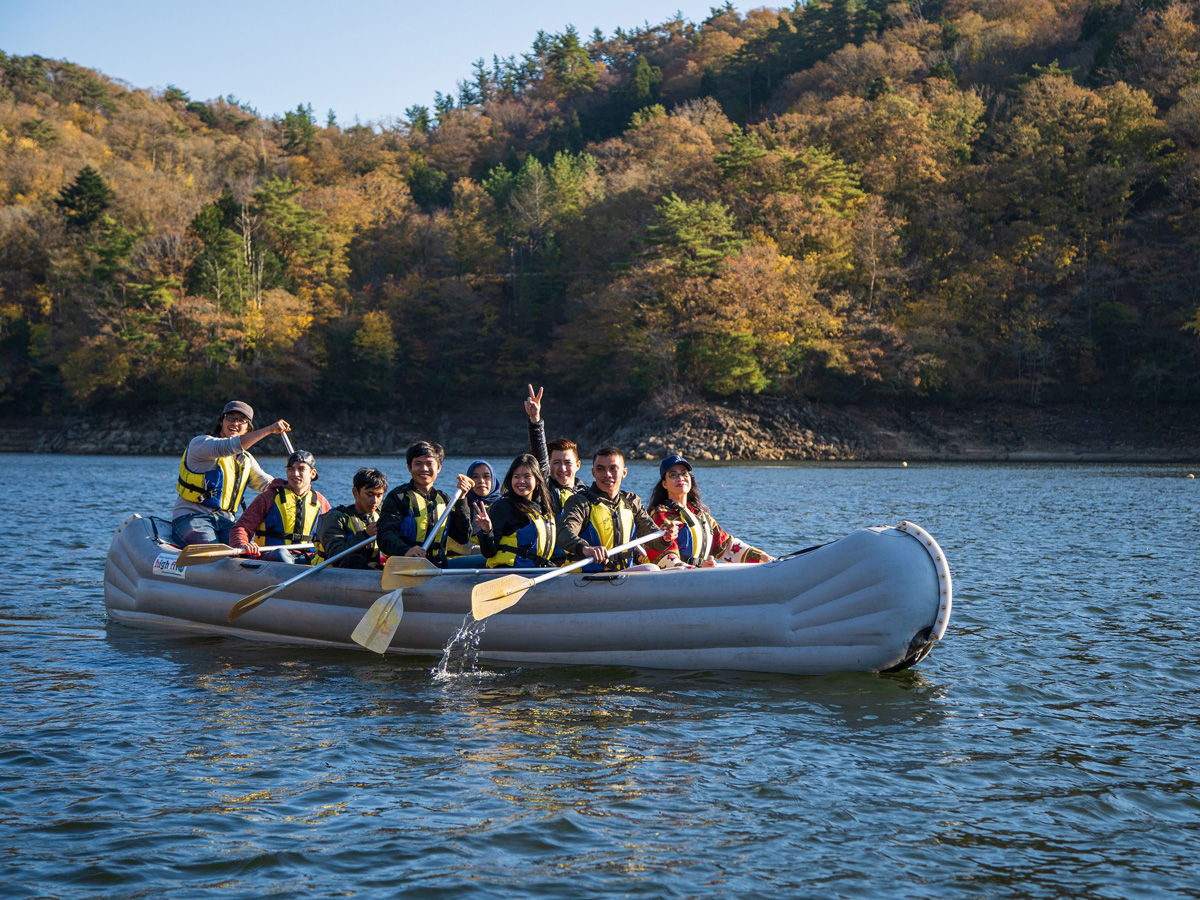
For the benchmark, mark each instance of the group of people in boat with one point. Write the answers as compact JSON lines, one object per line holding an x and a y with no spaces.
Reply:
{"x":540,"y":515}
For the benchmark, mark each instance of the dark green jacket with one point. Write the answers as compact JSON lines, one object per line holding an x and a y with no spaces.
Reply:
{"x":342,"y":527}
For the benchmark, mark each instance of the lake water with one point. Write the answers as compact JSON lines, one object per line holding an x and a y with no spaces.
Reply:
{"x":1046,"y":748}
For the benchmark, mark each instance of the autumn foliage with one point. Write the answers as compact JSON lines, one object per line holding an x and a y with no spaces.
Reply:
{"x":968,"y":200}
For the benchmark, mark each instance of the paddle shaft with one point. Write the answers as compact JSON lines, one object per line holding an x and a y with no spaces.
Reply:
{"x":491,"y":597}
{"x":441,"y":520}
{"x":201,"y":553}
{"x":620,"y":548}
{"x":287,"y":443}
{"x":248,"y":603}
{"x":331,"y":559}
{"x":307,"y":545}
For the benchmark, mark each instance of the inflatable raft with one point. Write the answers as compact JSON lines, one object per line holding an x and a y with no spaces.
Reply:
{"x":876,"y":600}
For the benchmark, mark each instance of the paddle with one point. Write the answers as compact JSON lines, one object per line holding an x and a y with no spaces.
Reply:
{"x":199,"y":554}
{"x":398,"y":569}
{"x":378,"y":625}
{"x":491,"y":597}
{"x":249,"y":602}
{"x":376,"y":629}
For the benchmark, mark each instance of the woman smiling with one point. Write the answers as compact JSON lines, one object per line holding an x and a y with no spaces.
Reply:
{"x":517,"y":531}
{"x":701,"y":541}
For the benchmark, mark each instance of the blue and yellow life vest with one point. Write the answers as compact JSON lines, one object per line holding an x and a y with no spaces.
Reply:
{"x":696,"y":537}
{"x":530,"y":546}
{"x":422,"y":515}
{"x":290,"y":519}
{"x":608,"y":526}
{"x":219,"y":488}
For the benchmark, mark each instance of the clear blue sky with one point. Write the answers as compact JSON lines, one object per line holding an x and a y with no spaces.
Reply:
{"x":366,"y":58}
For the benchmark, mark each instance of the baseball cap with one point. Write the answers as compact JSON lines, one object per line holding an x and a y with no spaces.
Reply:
{"x":305,"y":457}
{"x":673,"y":460}
{"x":238,"y":406}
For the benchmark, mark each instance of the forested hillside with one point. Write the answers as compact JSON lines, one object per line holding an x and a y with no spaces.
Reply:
{"x":971,"y":200}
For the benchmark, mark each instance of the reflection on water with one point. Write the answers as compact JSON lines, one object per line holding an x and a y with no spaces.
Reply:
{"x":1044,"y":750}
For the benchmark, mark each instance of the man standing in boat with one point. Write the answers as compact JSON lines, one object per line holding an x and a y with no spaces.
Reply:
{"x":411,"y":510}
{"x":214,"y":473}
{"x":603,"y":516}
{"x":285,"y":513}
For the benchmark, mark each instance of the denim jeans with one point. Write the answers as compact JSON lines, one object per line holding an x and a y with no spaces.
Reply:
{"x":467,"y":562}
{"x":201,"y":528}
{"x":283,"y":556}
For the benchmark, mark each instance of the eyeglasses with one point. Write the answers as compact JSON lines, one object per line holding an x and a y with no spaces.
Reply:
{"x":679,"y":476}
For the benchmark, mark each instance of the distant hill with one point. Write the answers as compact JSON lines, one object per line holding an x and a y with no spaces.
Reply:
{"x":966,"y":201}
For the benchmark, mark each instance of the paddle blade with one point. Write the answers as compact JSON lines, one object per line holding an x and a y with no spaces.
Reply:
{"x":246,"y":604}
{"x":491,"y":597}
{"x":199,"y":554}
{"x":399,"y":568}
{"x":376,"y":629}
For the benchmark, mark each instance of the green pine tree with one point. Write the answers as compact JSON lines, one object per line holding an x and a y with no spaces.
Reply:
{"x":85,"y":199}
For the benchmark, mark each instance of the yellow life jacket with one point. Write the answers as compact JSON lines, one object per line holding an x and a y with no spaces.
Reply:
{"x":290,"y":519}
{"x":219,"y":488}
{"x":608,"y":526}
{"x":425,"y":516}
{"x":529,"y":545}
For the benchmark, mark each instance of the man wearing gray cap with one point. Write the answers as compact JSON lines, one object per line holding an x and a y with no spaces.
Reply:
{"x":214,"y":473}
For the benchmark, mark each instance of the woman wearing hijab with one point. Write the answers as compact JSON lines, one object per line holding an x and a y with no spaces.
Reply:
{"x":485,"y":491}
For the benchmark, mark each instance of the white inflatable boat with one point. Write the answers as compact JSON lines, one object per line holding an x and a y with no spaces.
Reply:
{"x":876,"y":600}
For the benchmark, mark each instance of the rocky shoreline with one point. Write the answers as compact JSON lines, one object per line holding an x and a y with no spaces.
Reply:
{"x":762,"y":429}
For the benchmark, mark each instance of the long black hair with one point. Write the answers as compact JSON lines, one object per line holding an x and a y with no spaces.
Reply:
{"x":659,"y":495}
{"x":541,"y":497}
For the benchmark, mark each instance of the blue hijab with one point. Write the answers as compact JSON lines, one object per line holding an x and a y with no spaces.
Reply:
{"x":494,"y":493}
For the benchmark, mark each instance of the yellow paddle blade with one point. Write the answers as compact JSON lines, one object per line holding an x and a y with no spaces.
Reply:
{"x":398,"y":569}
{"x":198,"y":554}
{"x":376,"y":629}
{"x":246,"y":604}
{"x":491,"y":597}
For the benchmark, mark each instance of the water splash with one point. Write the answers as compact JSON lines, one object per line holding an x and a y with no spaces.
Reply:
{"x":461,"y":655}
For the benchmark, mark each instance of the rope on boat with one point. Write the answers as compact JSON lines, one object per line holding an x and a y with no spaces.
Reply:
{"x":796,"y":553}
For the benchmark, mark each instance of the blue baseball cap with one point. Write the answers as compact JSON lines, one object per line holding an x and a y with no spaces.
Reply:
{"x":673,"y":460}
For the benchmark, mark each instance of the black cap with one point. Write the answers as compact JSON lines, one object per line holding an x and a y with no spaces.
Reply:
{"x":305,"y":457}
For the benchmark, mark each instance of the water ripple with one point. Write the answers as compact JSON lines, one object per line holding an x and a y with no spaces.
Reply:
{"x":1046,"y":749}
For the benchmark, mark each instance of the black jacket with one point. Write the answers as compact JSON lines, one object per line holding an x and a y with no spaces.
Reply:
{"x":399,"y":532}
